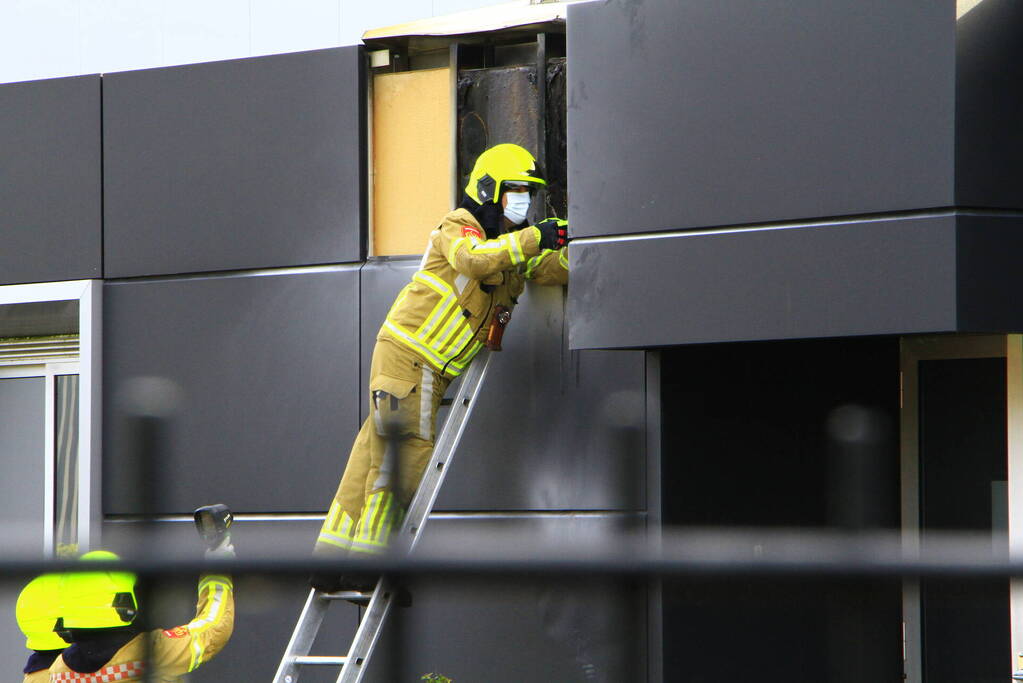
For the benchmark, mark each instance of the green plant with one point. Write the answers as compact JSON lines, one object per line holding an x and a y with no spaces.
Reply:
{"x":436,"y":678}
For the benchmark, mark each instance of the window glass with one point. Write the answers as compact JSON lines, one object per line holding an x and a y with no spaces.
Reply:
{"x":65,"y":499}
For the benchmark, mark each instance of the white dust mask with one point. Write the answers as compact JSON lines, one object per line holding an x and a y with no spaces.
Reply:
{"x":518,"y":205}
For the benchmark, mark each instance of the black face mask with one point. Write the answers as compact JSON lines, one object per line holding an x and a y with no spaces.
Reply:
{"x":489,"y":214}
{"x":41,"y":660}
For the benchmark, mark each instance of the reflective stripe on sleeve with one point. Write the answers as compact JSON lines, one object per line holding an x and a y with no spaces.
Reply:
{"x":532,"y":263}
{"x":214,"y":611}
{"x":197,"y":653}
{"x":515,"y":250}
{"x":453,"y":251}
{"x":490,"y":246}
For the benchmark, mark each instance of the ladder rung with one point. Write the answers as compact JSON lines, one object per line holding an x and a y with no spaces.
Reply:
{"x":310,"y":659}
{"x":347,"y":595}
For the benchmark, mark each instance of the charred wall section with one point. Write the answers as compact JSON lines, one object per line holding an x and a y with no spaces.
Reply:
{"x":509,"y":103}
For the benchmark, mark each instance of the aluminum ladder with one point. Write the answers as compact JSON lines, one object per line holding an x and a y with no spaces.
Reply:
{"x":380,"y":600}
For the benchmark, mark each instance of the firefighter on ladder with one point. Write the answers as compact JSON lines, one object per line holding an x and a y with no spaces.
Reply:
{"x":475,"y":267}
{"x":98,"y":611}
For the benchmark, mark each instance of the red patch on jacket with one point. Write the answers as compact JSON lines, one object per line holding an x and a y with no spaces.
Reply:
{"x":469,"y":231}
{"x":177,"y":632}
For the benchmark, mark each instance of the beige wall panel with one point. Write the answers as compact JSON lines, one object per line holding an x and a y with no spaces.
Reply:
{"x":412,"y":163}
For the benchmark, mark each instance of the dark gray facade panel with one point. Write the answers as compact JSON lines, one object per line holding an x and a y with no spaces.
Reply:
{"x":895,"y":276}
{"x":246,"y":163}
{"x":380,"y":283}
{"x":689,"y":115}
{"x":268,"y":369}
{"x":989,"y":276}
{"x":50,"y":182}
{"x":554,"y":429}
{"x":13,"y":647}
{"x":515,"y":629}
{"x":266,"y":607}
{"x":989,"y":68}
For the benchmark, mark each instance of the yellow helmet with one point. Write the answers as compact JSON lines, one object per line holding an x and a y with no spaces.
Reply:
{"x":98,"y":599}
{"x":37,"y":610}
{"x":501,"y":164}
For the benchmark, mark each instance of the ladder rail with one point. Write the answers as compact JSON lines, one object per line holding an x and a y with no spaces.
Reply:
{"x":443,"y":451}
{"x":407,"y":537}
{"x":368,"y":634}
{"x":302,"y":637}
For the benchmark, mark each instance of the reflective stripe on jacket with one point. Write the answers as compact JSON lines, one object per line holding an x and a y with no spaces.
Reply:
{"x":550,"y":267}
{"x":175,"y":651}
{"x":443,"y":314}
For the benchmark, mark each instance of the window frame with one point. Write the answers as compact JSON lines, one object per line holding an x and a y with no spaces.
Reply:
{"x":88,"y":294}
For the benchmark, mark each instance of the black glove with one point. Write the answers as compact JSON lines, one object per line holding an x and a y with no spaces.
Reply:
{"x":553,"y":233}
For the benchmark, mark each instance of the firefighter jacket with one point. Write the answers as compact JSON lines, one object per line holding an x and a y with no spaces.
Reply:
{"x":444,"y":313}
{"x":173,"y":652}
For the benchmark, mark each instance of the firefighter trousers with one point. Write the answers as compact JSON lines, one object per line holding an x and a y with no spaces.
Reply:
{"x":379,"y":482}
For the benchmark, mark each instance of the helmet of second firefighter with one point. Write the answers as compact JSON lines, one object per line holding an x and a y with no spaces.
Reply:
{"x":98,"y":599}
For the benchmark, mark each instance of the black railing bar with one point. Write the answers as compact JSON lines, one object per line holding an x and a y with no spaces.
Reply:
{"x":547,"y":567}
